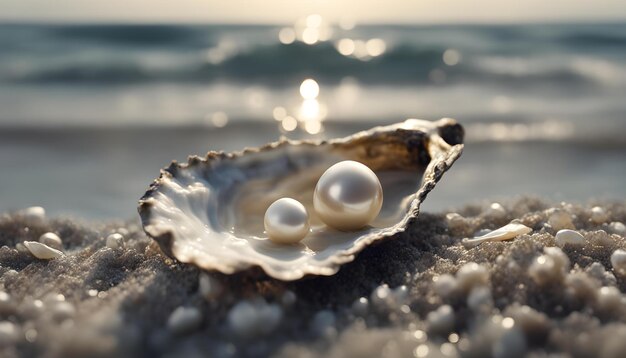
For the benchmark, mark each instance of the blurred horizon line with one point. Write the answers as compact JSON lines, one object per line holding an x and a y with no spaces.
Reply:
{"x":425,"y":23}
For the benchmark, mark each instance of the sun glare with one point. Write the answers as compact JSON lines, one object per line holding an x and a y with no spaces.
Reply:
{"x":309,"y":89}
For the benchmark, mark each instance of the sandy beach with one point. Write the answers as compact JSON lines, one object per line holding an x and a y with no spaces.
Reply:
{"x":420,"y":293}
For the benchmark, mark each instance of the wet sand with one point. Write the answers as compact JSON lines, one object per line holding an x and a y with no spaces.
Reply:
{"x":422,"y":293}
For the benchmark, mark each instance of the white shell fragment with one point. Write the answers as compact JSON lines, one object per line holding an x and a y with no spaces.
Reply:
{"x":42,"y":251}
{"x":210,"y":211}
{"x":51,"y":239}
{"x":506,"y":232}
{"x":569,"y":237}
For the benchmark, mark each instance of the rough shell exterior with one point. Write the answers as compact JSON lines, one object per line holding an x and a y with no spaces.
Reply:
{"x":209,"y":211}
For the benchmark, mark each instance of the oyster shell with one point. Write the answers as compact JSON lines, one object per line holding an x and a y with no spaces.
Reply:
{"x":209,"y":212}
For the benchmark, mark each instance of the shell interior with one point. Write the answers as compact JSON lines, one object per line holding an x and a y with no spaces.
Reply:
{"x":210,"y":211}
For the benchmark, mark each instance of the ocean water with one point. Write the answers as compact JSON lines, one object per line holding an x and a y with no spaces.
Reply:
{"x":89,"y":113}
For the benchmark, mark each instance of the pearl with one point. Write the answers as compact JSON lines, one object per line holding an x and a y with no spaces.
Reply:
{"x":286,"y":221}
{"x":348,"y":196}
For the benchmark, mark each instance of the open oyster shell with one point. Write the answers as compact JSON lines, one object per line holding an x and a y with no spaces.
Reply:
{"x":209,"y":212}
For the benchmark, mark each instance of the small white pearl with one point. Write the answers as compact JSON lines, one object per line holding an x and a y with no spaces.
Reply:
{"x":348,"y":196}
{"x":286,"y":221}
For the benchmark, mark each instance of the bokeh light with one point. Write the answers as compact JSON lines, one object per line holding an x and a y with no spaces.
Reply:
{"x":219,"y":119}
{"x":314,"y":20}
{"x":451,"y":57}
{"x":310,"y":35}
{"x":287,"y":35}
{"x":309,"y":89}
{"x":345,"y":47}
{"x":313,"y":127}
{"x":375,"y":47}
{"x":360,"y":50}
{"x":289,"y":123}
{"x":279,"y":113}
{"x":312,"y":109}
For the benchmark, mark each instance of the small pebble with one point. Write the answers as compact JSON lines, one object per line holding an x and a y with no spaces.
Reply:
{"x":511,"y":343}
{"x":115,"y":241}
{"x":496,"y":211}
{"x":322,"y":321}
{"x":8,"y":333}
{"x":400,"y":293}
{"x":7,"y":306}
{"x":609,"y":299}
{"x":31,"y":335}
{"x":209,"y":287}
{"x":530,"y":321}
{"x":21,"y":248}
{"x":184,"y":320}
{"x":597,"y":271}
{"x":34,"y":213}
{"x":569,"y":237}
{"x":441,"y":320}
{"x":380,"y":297}
{"x":599,"y":215}
{"x":479,"y":299}
{"x":559,"y":257}
{"x":62,"y":310}
{"x":360,"y":306}
{"x":618,"y":228}
{"x":455,"y":221}
{"x":42,"y":251}
{"x":51,"y":239}
{"x":445,"y":285}
{"x":549,"y":267}
{"x":289,"y":298}
{"x":250,"y":318}
{"x":471,"y":275}
{"x":560,"y":219}
{"x":11,"y":274}
{"x":618,"y":261}
{"x":30,"y":308}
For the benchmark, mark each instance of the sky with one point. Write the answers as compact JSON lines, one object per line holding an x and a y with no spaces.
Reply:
{"x":286,"y":11}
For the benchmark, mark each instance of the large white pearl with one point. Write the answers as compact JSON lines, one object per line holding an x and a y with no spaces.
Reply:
{"x":286,"y":221}
{"x":348,"y":196}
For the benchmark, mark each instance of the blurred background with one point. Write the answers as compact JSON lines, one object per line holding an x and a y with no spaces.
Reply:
{"x":96,"y":96}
